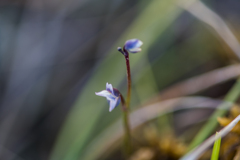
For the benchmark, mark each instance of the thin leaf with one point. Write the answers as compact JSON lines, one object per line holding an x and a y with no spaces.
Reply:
{"x":202,"y":82}
{"x":216,"y":148}
{"x":203,"y":13}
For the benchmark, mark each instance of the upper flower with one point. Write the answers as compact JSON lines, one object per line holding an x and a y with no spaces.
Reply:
{"x":112,"y":95}
{"x":133,"y":45}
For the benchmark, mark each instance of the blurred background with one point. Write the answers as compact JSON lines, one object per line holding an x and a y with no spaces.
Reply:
{"x":55,"y":54}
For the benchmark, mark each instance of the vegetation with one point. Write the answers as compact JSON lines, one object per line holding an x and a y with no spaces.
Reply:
{"x":184,"y":86}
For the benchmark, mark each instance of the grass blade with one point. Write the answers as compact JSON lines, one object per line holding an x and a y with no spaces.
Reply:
{"x":216,"y":148}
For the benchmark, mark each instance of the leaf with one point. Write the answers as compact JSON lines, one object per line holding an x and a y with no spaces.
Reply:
{"x":216,"y":148}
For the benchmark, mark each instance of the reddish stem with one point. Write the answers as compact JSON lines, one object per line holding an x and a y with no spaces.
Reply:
{"x":126,"y":55}
{"x":127,"y":138}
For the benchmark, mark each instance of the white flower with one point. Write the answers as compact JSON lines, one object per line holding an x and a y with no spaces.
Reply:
{"x":133,"y":45}
{"x":112,"y":95}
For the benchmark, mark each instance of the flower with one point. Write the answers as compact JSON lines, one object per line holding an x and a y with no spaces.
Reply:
{"x":133,"y":45}
{"x":112,"y":95}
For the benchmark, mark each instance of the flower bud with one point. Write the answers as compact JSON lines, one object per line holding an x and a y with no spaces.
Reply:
{"x":133,"y":45}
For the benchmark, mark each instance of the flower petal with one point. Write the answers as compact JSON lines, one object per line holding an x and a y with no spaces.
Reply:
{"x":109,"y":87}
{"x":112,"y":95}
{"x":135,"y":50}
{"x":106,"y":94}
{"x":114,"y":103}
{"x":133,"y":43}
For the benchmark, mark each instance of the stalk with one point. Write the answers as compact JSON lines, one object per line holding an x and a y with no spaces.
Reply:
{"x":127,"y":137}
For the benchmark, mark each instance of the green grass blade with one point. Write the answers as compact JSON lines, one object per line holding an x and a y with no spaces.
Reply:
{"x":216,"y":148}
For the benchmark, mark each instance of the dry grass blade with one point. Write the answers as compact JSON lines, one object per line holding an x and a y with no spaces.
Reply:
{"x":203,"y":13}
{"x":202,"y":82}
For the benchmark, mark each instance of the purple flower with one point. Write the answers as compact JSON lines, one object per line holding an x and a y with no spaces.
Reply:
{"x":112,"y":95}
{"x":133,"y":45}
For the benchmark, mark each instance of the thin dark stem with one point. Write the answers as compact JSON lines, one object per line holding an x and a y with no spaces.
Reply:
{"x":126,"y":55}
{"x":127,"y":139}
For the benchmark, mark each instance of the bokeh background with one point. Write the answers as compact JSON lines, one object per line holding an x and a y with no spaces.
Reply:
{"x":55,"y":54}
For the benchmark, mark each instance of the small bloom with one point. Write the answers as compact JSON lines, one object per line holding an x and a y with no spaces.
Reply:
{"x":133,"y":45}
{"x":112,"y":95}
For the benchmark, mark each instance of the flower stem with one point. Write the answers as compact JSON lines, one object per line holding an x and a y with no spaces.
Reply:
{"x":127,"y":137}
{"x":128,"y":80}
{"x":127,"y":140}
